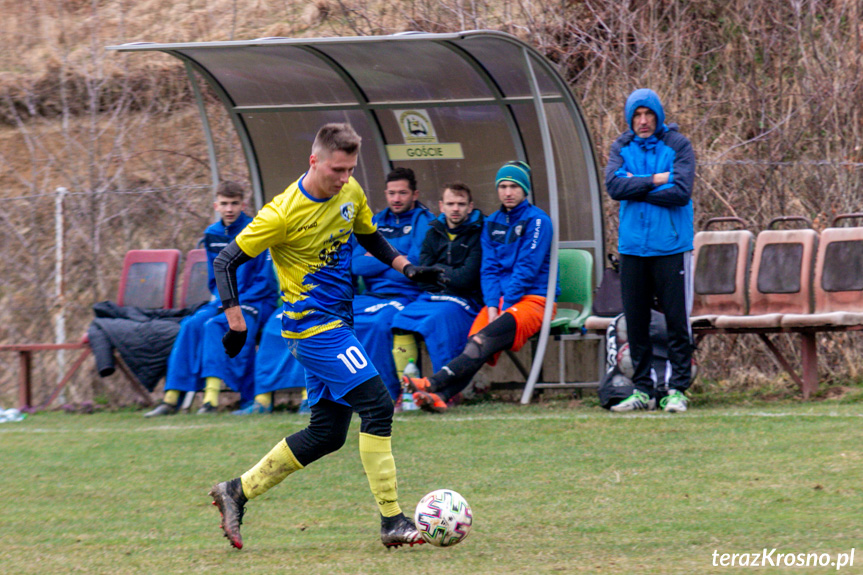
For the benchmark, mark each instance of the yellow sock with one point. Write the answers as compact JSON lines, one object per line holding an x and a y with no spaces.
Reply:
{"x":265,"y":399}
{"x":377,"y":456}
{"x":404,"y":349}
{"x":211,"y":391}
{"x":172,"y":397}
{"x":304,"y":394}
{"x":270,"y":471}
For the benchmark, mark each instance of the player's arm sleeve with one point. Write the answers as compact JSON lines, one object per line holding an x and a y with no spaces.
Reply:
{"x":376,"y":244}
{"x":225,"y":269}
{"x":365,"y":265}
{"x":258,"y":279}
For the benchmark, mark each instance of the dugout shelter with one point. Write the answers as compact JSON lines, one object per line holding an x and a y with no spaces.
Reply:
{"x":449,"y":106}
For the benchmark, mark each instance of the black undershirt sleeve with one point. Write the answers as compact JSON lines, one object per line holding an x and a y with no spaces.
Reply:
{"x":378,"y":246}
{"x":225,"y":269}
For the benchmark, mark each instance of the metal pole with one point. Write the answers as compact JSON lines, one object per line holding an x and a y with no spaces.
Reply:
{"x":59,"y":299}
{"x":551,"y":294}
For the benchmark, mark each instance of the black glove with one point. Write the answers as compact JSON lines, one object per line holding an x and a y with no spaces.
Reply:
{"x":234,"y":342}
{"x":426,"y":274}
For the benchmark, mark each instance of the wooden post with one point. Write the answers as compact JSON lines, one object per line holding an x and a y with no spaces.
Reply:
{"x":809,"y":361}
{"x":25,"y":394}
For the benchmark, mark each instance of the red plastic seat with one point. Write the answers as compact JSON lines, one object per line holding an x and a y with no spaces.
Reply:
{"x":148,"y":279}
{"x":195,"y":288}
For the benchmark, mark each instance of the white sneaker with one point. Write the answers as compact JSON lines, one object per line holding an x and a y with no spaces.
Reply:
{"x":674,"y":402}
{"x":638,"y":401}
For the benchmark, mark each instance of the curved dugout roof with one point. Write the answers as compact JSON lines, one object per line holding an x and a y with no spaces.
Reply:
{"x":449,"y":106}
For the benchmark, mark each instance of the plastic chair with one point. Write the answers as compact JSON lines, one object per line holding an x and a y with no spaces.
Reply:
{"x":781,"y":278}
{"x":148,"y":279}
{"x":838,"y":281}
{"x":195,"y":288}
{"x":722,"y":259}
{"x":576,"y":287}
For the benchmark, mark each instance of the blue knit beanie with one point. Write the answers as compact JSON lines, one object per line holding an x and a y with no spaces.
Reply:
{"x":515,"y":171}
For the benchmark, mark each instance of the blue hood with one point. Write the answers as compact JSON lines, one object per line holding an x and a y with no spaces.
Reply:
{"x":648,"y":99}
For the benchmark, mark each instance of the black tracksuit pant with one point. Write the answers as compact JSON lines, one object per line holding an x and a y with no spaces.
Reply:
{"x":668,"y":279}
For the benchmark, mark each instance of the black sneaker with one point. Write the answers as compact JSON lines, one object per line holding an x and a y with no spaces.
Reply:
{"x":228,"y":496}
{"x":207,"y":408}
{"x":399,"y":530}
{"x":162,"y":409}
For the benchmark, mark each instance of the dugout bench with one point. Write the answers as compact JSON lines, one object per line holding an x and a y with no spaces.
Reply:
{"x":792,"y":281}
{"x":148,"y":280}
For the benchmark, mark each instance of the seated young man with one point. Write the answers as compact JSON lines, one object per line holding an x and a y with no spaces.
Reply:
{"x":197,"y":360}
{"x":275,"y":368}
{"x":442,"y":316}
{"x":403,"y":224}
{"x":516,"y":257}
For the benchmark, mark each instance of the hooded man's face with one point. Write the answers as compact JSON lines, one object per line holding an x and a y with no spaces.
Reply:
{"x":643,"y":122}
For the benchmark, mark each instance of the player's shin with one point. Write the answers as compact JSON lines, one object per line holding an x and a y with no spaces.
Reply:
{"x":270,"y":471}
{"x":404,"y":349}
{"x":380,"y":467}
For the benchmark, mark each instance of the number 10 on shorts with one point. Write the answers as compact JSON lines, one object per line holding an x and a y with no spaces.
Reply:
{"x":353,"y":358}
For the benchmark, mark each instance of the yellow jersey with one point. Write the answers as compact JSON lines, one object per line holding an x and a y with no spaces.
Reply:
{"x":310,"y":243}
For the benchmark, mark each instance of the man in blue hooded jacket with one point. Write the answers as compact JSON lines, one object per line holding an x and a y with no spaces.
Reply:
{"x":404,"y":223}
{"x":651,"y":172}
{"x":197,"y":360}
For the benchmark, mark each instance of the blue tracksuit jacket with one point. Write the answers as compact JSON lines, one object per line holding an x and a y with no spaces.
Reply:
{"x":654,"y":220}
{"x":516,"y":255}
{"x":405,"y":232}
{"x":256,"y":279}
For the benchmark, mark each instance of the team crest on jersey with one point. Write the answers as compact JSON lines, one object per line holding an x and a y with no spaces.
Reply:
{"x":518,"y":229}
{"x":407,"y":229}
{"x":347,"y":210}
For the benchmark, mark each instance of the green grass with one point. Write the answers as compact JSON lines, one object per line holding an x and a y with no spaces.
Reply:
{"x":554,"y":488}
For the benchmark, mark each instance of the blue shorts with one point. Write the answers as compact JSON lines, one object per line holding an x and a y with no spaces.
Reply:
{"x":335,"y":363}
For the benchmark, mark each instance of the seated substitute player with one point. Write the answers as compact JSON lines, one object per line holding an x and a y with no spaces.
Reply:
{"x":197,"y":360}
{"x":308,"y":230}
{"x":275,"y":368}
{"x":442,"y":316}
{"x":516,"y":256}
{"x":404,"y":224}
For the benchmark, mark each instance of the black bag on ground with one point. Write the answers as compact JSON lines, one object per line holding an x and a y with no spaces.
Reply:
{"x":614,"y":388}
{"x":607,"y":299}
{"x":616,"y":384}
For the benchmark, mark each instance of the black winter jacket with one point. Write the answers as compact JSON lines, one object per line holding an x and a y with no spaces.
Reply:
{"x":461,"y":257}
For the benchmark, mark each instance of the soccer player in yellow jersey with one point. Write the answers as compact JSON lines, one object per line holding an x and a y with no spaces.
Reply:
{"x":308,"y":229}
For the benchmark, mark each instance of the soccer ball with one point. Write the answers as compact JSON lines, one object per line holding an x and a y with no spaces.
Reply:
{"x":443,"y":518}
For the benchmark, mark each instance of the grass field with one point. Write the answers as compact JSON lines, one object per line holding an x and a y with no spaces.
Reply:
{"x":554,"y":488}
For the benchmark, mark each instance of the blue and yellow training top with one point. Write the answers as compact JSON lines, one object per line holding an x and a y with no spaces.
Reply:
{"x":309,"y":240}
